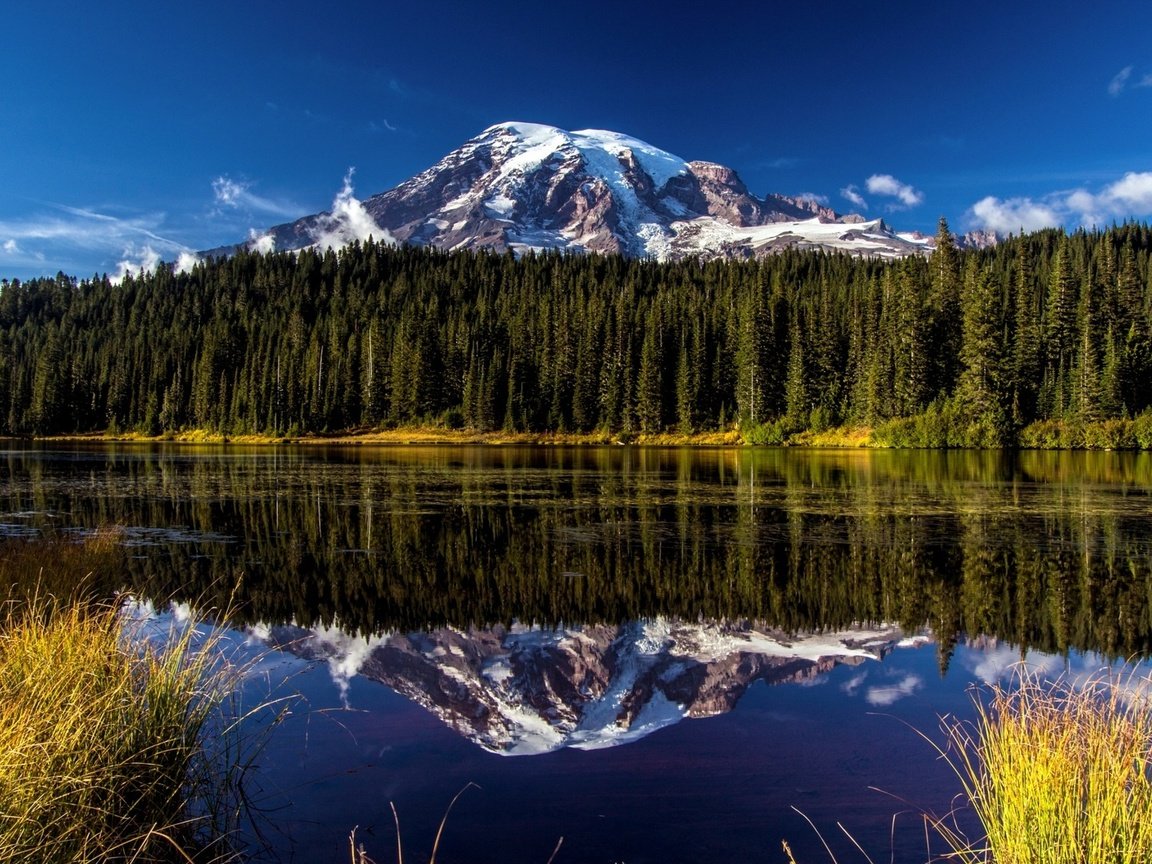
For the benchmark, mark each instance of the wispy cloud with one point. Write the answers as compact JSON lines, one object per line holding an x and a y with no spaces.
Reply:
{"x":822,"y":200}
{"x":65,"y":232}
{"x":888,"y":186}
{"x":852,"y":195}
{"x":1122,"y":80}
{"x":1119,"y":82}
{"x":780,"y":163}
{"x":889,"y":694}
{"x":1128,"y":197}
{"x":238,"y":195}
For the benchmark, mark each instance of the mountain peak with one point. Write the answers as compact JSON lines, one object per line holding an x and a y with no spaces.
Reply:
{"x":528,"y":186}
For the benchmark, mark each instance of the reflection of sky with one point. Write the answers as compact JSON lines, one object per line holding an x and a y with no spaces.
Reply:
{"x":883,"y":686}
{"x":849,"y":752}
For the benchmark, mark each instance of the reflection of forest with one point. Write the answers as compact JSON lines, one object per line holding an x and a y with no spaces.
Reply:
{"x":1047,"y":550}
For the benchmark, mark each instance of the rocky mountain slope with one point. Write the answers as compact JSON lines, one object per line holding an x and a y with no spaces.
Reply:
{"x":524,"y":186}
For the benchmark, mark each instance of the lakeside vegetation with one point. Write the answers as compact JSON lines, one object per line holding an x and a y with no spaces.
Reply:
{"x":1056,"y":772}
{"x":104,"y":752}
{"x":966,"y":348}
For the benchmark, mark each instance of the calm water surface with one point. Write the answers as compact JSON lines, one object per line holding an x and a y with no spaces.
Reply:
{"x":654,"y":653}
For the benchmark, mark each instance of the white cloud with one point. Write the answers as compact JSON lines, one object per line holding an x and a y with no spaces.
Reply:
{"x":1128,"y":197}
{"x":137,"y":260}
{"x":74,"y":233}
{"x":1122,"y":80}
{"x":1132,"y":193}
{"x":892,"y":693}
{"x":822,"y":200}
{"x":889,"y":186}
{"x":237,"y":194}
{"x":186,"y":261}
{"x":263,"y":243}
{"x":1013,"y":215}
{"x":347,"y":222}
{"x":1119,"y":81}
{"x":852,"y":194}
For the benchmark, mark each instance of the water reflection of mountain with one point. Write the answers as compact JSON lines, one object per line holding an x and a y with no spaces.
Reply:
{"x":1045,"y":550}
{"x":522,"y":691}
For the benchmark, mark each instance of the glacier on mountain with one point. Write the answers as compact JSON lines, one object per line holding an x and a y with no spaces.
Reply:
{"x":530,"y":187}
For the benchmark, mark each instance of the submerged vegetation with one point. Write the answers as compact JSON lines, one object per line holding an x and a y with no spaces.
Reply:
{"x":966,"y":348}
{"x":109,"y":744}
{"x":1056,"y":773}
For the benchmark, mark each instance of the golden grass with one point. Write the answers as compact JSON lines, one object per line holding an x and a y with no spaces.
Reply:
{"x":1057,"y":773}
{"x":101,"y":740}
{"x":838,"y":436}
{"x":423,"y":434}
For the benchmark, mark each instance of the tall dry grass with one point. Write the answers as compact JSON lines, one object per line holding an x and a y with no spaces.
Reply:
{"x":1058,"y":773}
{"x":113,"y":747}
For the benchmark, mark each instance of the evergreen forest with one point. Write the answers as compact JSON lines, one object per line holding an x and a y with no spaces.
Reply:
{"x":1042,"y":340}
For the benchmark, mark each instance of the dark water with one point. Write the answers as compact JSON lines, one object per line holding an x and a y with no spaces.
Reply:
{"x":655,"y":653}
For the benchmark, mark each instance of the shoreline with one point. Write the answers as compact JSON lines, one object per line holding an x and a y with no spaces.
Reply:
{"x":1105,"y":435}
{"x":842,"y":438}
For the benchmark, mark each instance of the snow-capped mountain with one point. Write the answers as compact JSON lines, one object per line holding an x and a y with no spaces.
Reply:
{"x":522,"y":691}
{"x":524,"y":186}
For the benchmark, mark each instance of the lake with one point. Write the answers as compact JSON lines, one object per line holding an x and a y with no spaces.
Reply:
{"x":656,"y":654}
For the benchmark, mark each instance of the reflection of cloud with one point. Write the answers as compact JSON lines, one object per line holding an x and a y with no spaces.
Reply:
{"x":853,"y":684}
{"x":1002,"y":666}
{"x":892,"y":693}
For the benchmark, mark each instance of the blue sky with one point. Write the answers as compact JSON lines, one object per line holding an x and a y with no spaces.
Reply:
{"x":135,"y":130}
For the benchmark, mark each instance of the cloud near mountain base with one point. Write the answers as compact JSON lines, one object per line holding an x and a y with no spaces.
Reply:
{"x":1127,"y":198}
{"x":348,"y":222}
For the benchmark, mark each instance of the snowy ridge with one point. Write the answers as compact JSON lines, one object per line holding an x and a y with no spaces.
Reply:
{"x":522,"y":691}
{"x":531,"y":187}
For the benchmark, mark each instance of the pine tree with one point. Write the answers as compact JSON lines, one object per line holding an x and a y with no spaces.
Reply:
{"x":980,"y":391}
{"x":944,"y":307}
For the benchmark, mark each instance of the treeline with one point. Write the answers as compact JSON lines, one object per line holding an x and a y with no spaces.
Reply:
{"x":960,"y":348}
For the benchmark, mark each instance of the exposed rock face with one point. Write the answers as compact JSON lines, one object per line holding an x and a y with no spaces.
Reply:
{"x":524,"y":186}
{"x":524,"y":691}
